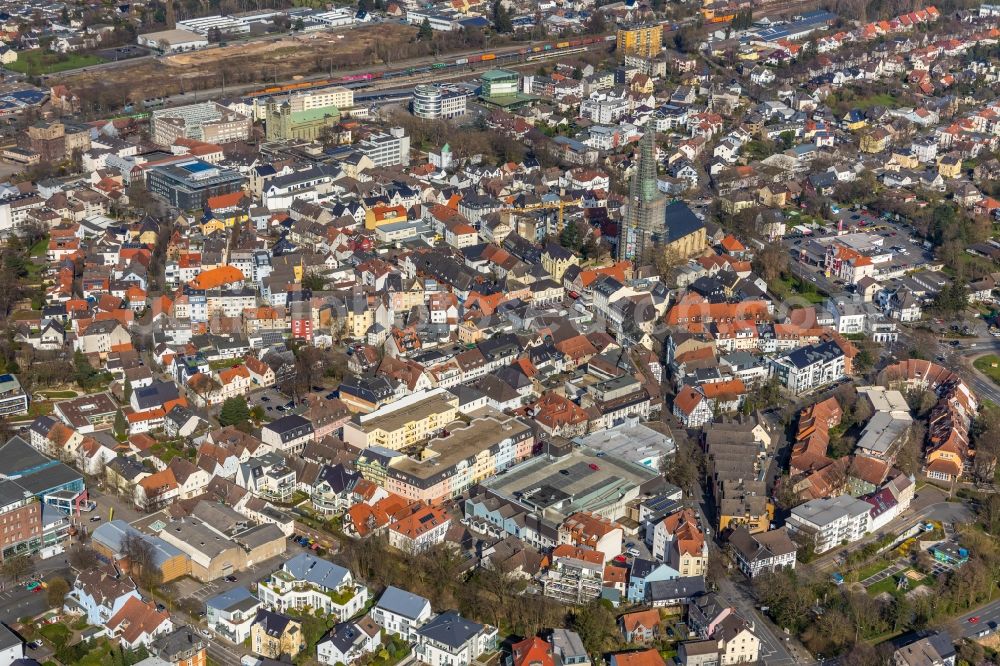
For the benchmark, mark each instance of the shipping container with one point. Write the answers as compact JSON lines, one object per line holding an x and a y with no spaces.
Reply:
{"x":462,"y":61}
{"x":490,"y":56}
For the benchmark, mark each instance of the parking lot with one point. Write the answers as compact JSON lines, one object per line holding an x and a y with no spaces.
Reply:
{"x":190,"y":588}
{"x":899,"y":252}
{"x":125,"y":52}
{"x":274,"y":403}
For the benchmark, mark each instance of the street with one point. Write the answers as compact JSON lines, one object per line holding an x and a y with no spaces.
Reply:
{"x":959,"y":358}
{"x":989,"y":618}
{"x":774,"y":649}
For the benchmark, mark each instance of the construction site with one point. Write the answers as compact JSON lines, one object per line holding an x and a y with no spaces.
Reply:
{"x":246,"y":62}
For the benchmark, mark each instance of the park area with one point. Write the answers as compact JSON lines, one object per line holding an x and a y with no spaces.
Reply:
{"x":36,"y":62}
{"x":989,"y":365}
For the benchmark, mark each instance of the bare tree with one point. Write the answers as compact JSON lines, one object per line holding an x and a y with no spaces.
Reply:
{"x":141,"y":559}
{"x":83,"y":558}
{"x":16,"y":567}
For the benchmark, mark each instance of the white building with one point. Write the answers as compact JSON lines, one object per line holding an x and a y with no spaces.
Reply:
{"x":173,"y":41}
{"x":306,"y":580}
{"x":401,"y":613}
{"x":224,"y":24}
{"x":764,"y":552}
{"x":451,"y":640}
{"x":387,"y":149}
{"x":830,"y":522}
{"x":349,"y":641}
{"x":437,"y":100}
{"x":231,"y":614}
{"x":810,"y":367}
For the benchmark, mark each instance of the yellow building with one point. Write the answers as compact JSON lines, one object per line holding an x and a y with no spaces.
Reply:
{"x":644,"y":41}
{"x":903,"y":159}
{"x":273,"y":635}
{"x":469,"y":333}
{"x":556,"y":260}
{"x":403,"y":423}
{"x":754,"y":523}
{"x":359,"y":321}
{"x":212,"y":226}
{"x":949,"y":166}
{"x":379,"y":215}
{"x":875,"y":141}
{"x":688,"y":245}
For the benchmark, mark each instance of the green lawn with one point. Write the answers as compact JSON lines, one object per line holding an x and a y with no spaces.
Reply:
{"x":37,"y":61}
{"x":57,"y":634}
{"x":882,"y":99}
{"x":872,"y":569}
{"x":224,"y":363}
{"x":789,"y":285}
{"x":887,"y":585}
{"x":40,"y":248}
{"x":167,"y":451}
{"x":984,"y":364}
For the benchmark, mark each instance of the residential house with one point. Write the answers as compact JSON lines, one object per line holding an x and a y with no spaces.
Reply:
{"x":452,"y":640}
{"x":273,"y":635}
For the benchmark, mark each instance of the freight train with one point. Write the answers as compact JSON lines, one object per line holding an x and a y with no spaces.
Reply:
{"x":348,"y":79}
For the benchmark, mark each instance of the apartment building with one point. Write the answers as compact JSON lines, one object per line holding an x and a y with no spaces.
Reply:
{"x":401,"y":613}
{"x":308,"y":581}
{"x":576,"y":575}
{"x":811,"y":367}
{"x":762,"y":552}
{"x":830,"y":522}
{"x":451,"y":640}
{"x":206,"y":121}
{"x":404,"y":422}
{"x":643,"y":41}
{"x":460,"y":458}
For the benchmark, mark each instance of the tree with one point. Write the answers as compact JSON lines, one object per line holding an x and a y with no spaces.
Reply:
{"x":686,"y":39}
{"x":234,"y":411}
{"x":684,"y":468}
{"x":16,"y":567}
{"x":597,"y":628}
{"x":300,"y":25}
{"x":141,"y":558}
{"x":502,"y":22}
{"x":953,"y":299}
{"x":771,"y":262}
{"x":666,"y":261}
{"x":203,"y":385}
{"x":571,"y":238}
{"x":426,"y":32}
{"x":86,"y":376}
{"x":364,"y":6}
{"x":56,"y":590}
{"x":121,"y":425}
{"x":83,"y":558}
{"x":597,"y":25}
{"x":313,"y":281}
